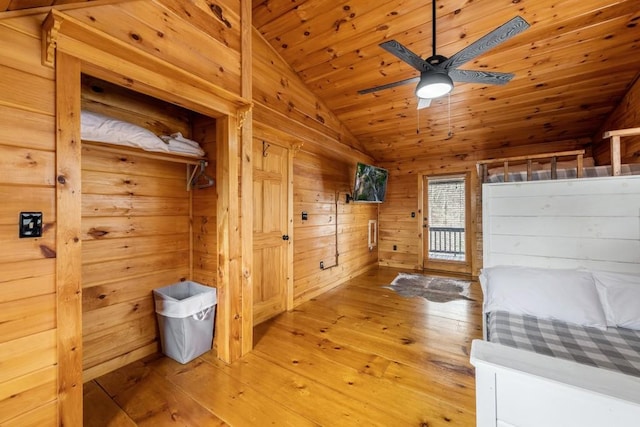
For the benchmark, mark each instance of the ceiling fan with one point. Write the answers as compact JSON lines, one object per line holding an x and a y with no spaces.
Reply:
{"x":437,"y":73}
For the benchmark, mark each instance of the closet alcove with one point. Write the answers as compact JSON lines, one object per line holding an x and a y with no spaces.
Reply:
{"x":143,"y":224}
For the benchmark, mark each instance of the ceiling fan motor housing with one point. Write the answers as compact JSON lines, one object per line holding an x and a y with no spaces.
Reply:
{"x":436,"y":60}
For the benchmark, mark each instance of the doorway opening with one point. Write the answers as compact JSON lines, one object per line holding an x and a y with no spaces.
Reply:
{"x":446,"y":222}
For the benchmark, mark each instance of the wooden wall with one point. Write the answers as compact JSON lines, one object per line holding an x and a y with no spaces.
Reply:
{"x":286,"y":112}
{"x":185,"y":34}
{"x":335,"y":232}
{"x":626,"y":115}
{"x":28,"y":371}
{"x":204,"y":214}
{"x":135,"y":237}
{"x":137,"y":242}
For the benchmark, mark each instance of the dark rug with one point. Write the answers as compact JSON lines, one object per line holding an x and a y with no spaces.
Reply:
{"x":435,"y":289}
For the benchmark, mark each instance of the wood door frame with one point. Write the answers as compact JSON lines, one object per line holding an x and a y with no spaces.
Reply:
{"x":74,"y":48}
{"x":457,"y":267}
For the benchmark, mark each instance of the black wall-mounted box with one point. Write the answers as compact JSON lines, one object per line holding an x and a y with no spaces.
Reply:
{"x":30,"y":224}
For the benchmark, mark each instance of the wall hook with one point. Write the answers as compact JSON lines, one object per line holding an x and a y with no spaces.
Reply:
{"x":265,"y":148}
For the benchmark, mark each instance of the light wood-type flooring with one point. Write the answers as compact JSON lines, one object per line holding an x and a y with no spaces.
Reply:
{"x":358,"y":355}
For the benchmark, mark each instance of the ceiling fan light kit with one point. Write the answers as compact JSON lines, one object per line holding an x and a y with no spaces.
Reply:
{"x":433,"y":84}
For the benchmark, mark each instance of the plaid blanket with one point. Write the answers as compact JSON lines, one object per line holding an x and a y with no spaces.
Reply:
{"x":617,"y":349}
{"x":588,"y":172}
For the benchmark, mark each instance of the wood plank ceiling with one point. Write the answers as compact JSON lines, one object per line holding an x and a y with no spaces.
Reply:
{"x":572,"y":66}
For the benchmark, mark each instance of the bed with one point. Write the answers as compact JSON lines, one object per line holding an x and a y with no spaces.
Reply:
{"x":572,"y":238}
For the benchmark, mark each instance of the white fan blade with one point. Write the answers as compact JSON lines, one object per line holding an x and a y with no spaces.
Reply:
{"x":423,"y":103}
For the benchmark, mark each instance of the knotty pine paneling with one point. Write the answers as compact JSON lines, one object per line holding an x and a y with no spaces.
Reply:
{"x":396,"y":225}
{"x":30,"y":391}
{"x":277,"y":88}
{"x":323,"y":171}
{"x":334,"y":233}
{"x":559,"y":90}
{"x":169,"y":34}
{"x":626,"y":115}
{"x":121,"y":264}
{"x":28,"y":376}
{"x":121,"y":103}
{"x":205,"y":239}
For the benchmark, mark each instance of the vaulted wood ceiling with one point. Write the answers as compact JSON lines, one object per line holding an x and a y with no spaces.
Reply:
{"x":572,"y":66}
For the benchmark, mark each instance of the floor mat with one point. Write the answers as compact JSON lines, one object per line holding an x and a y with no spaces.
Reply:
{"x":433,"y":288}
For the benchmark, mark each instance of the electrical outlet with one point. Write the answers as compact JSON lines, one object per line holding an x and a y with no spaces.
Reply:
{"x":321,"y":265}
{"x":413,"y":214}
{"x":305,"y":216}
{"x":395,"y":247}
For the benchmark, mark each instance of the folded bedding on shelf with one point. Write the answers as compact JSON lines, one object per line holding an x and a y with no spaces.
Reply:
{"x":100,"y":128}
{"x":179,"y":144}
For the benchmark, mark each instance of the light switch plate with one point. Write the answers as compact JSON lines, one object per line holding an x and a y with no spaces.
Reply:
{"x":30,"y":224}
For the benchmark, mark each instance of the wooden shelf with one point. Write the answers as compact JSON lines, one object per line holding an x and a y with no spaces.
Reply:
{"x":120,"y":149}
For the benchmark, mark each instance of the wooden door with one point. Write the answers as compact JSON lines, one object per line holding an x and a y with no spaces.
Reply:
{"x":270,"y":229}
{"x":445,"y":223}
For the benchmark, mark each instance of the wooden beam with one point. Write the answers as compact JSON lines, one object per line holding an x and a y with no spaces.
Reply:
{"x":167,"y":157}
{"x":246,"y":165}
{"x":44,"y":9}
{"x":533,"y":156}
{"x":68,"y":240}
{"x":229,"y":329}
{"x":223,"y":190}
{"x":621,"y":132}
{"x":104,"y":51}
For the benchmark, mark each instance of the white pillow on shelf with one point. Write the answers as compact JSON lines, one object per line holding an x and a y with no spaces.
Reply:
{"x":620,"y":295}
{"x":100,"y":128}
{"x":566,"y":295}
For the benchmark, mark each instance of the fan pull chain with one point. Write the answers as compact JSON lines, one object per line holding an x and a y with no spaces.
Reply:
{"x":418,"y":120}
{"x":450,"y":134}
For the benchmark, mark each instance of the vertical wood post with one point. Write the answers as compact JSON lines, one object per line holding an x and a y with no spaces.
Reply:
{"x":247,"y":182}
{"x":529,"y":169}
{"x":579,"y":166}
{"x":615,"y":156}
{"x":291,"y":153}
{"x":68,"y":240}
{"x":554,"y":167}
{"x":229,"y":327}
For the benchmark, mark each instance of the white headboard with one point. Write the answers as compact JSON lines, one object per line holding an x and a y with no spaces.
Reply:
{"x":590,"y":222}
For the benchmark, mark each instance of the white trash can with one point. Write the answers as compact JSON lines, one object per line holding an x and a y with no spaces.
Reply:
{"x":185,"y":312}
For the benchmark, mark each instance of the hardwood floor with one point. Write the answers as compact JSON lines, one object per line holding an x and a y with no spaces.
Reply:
{"x":357,"y":355}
